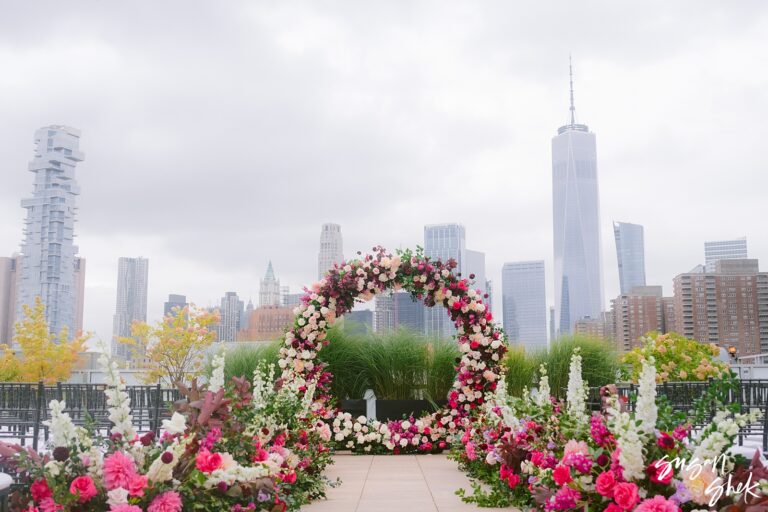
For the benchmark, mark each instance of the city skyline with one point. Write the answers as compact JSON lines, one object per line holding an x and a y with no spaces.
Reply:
{"x":466,"y":140}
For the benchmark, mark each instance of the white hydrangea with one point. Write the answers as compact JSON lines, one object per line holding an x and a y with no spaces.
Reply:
{"x":576,"y":395}
{"x":647,"y":412}
{"x":63,"y":431}
{"x":217,"y":375}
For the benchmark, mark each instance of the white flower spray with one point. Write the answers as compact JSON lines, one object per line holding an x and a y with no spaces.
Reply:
{"x":63,"y":431}
{"x":577,"y":393}
{"x":263,"y":381}
{"x":629,"y":440}
{"x":544,"y":392}
{"x":647,"y":412}
{"x":217,"y":375}
{"x":117,"y":399}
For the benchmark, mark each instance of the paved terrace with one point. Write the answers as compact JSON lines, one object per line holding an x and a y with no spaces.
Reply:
{"x":394,"y":483}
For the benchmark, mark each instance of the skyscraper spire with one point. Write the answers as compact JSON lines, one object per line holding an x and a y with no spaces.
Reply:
{"x":573,"y":108}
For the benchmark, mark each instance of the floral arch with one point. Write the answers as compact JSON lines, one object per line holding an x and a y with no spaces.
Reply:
{"x":481,"y":343}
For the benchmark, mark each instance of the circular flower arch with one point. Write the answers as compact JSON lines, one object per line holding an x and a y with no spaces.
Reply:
{"x":481,"y":343}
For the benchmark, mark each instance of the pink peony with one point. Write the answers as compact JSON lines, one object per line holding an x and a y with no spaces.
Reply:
{"x":124,"y":507}
{"x":625,"y":495}
{"x":657,"y":504}
{"x":169,"y":501}
{"x":562,"y":475}
{"x":84,"y":488}
{"x":470,"y":450}
{"x":119,"y":470}
{"x":605,"y":483}
{"x":573,"y":446}
{"x":208,"y":462}
{"x":137,"y":485}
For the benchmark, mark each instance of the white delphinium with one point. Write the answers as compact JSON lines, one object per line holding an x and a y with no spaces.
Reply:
{"x":263,"y":380}
{"x":543,"y":393}
{"x":63,"y":431}
{"x":577,"y":393}
{"x":646,"y":411}
{"x":217,"y":375}
{"x":118,"y":401}
{"x":308,"y":399}
{"x":628,"y":439}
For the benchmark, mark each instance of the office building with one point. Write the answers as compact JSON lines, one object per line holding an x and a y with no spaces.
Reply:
{"x":230,"y":317}
{"x":524,"y":304}
{"x":8,"y":282}
{"x":359,"y":322}
{"x":717,"y":250}
{"x":444,"y":242}
{"x":331,"y":249}
{"x":576,"y":224}
{"x":131,"y":302}
{"x":630,"y":255}
{"x":269,"y":289}
{"x":174,"y":302}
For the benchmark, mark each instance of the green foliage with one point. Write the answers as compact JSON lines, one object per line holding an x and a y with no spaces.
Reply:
{"x":520,"y":370}
{"x":242,"y":361}
{"x":677,"y":359}
{"x":600,"y":364}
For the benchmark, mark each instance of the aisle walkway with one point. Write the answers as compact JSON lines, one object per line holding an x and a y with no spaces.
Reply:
{"x":394,"y":483}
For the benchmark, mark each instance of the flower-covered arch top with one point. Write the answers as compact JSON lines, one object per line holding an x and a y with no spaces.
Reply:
{"x":481,"y":343}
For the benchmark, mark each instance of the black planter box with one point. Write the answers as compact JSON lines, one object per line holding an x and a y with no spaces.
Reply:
{"x":397,"y":409}
{"x":354,"y":407}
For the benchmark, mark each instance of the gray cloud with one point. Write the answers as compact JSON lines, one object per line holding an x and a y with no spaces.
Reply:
{"x":221,"y":135}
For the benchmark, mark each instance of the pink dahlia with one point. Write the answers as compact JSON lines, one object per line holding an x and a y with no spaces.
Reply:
{"x":169,"y":501}
{"x":119,"y":470}
{"x":657,"y":504}
{"x":84,"y":488}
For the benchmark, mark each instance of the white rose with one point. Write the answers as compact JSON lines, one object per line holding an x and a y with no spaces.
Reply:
{"x":403,"y":442}
{"x":362,"y":419}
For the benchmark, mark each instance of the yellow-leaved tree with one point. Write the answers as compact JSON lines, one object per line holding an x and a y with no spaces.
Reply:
{"x":42,"y":355}
{"x":173,"y":350}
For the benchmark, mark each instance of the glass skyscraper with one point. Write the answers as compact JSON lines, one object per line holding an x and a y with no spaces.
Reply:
{"x":576,"y":224}
{"x":524,"y":304}
{"x":131,"y":303}
{"x":715,"y":251}
{"x":50,"y":267}
{"x":444,"y":242}
{"x":630,"y":254}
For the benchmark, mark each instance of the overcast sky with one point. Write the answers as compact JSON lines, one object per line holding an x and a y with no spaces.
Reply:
{"x":220,"y":135}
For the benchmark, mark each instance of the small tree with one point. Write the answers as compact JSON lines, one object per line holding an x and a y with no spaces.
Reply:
{"x":174,"y":349}
{"x":44,"y":356}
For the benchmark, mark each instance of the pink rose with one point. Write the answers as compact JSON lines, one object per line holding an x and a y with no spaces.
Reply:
{"x":562,"y":475}
{"x":625,"y":495}
{"x":612,"y":507}
{"x":659,"y":472}
{"x":84,"y":488}
{"x":605,"y":483}
{"x":40,"y":490}
{"x":207,"y":462}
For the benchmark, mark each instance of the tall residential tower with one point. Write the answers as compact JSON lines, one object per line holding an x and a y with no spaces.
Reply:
{"x":576,"y":223}
{"x":50,"y":267}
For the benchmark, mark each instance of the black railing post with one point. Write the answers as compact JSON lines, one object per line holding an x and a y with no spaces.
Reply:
{"x":156,"y":410}
{"x":38,"y":414}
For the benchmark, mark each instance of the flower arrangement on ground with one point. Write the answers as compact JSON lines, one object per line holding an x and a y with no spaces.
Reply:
{"x":537,"y":452}
{"x":245,"y":446}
